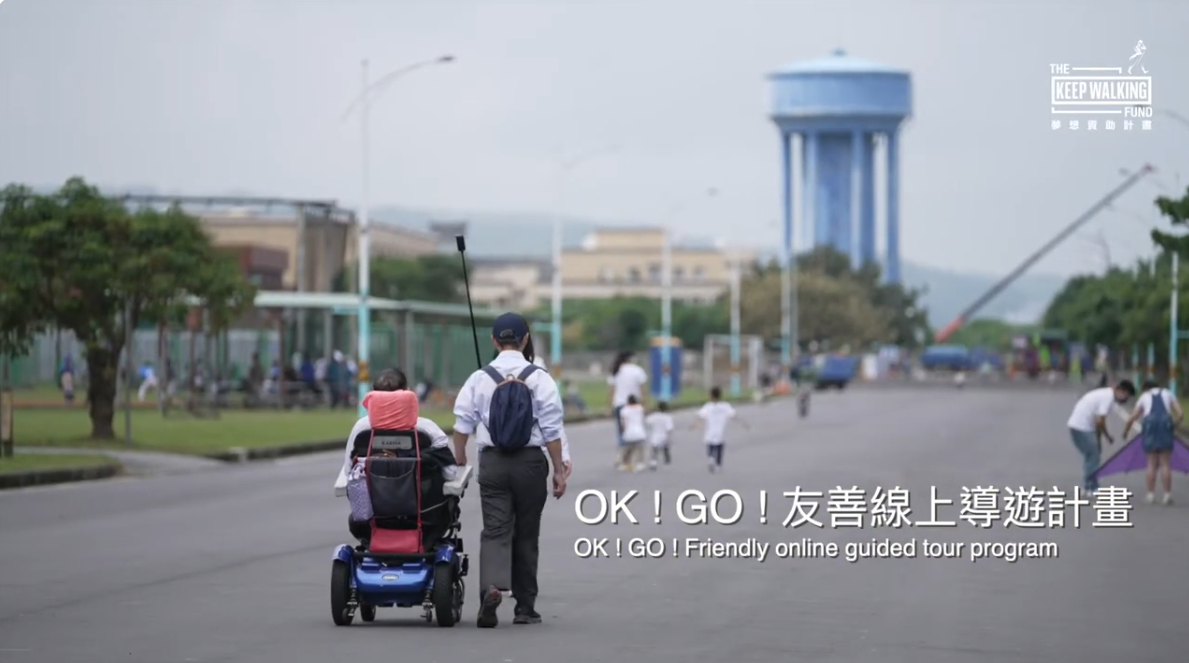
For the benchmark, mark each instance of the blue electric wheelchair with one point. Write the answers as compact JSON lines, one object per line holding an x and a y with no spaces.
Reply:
{"x":410,"y":553}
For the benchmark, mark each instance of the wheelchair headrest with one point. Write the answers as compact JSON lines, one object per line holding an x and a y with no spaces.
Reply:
{"x":392,"y":410}
{"x":393,"y":441}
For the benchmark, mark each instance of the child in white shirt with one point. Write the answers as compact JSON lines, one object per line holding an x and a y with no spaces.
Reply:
{"x":660,"y":431}
{"x":631,"y":416}
{"x":714,"y":417}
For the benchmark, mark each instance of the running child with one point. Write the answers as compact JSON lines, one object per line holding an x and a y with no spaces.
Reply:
{"x":631,"y":416}
{"x":660,"y":432}
{"x":714,"y":417}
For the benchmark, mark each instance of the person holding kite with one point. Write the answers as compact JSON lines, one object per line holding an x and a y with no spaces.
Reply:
{"x":1161,"y":415}
{"x":1087,"y":425}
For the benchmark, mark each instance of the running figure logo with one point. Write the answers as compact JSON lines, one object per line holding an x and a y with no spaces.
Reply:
{"x":1137,"y":58}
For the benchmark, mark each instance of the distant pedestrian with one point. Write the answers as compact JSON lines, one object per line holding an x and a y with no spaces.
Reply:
{"x":1087,"y":426}
{"x":660,"y":435}
{"x":512,"y":408}
{"x":66,"y":379}
{"x":714,"y":417}
{"x":626,"y":379}
{"x":1161,"y":415}
{"x":148,"y":380}
{"x":635,"y":433}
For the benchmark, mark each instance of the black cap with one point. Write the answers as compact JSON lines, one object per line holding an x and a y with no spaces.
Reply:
{"x":509,"y":328}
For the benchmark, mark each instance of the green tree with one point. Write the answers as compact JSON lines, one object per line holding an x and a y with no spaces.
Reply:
{"x":1177,"y":211}
{"x":79,"y":261}
{"x":429,"y":278}
{"x":1123,"y":308}
{"x":906,"y":318}
{"x":832,"y":309}
{"x":988,"y":333}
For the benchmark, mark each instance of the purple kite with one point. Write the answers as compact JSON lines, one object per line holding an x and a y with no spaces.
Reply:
{"x":1132,"y":458}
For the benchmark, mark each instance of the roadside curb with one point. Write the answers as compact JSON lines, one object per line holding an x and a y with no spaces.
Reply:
{"x":250,"y":454}
{"x":31,"y":478}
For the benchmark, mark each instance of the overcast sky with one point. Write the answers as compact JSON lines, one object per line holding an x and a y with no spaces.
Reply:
{"x":212,"y":96}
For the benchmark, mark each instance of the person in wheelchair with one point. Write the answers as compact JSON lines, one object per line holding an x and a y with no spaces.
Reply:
{"x":438,"y":464}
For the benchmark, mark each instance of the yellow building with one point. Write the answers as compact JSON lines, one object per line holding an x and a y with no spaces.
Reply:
{"x":510,"y":283}
{"x":611,"y":262}
{"x":628,"y":262}
{"x":330,"y":244}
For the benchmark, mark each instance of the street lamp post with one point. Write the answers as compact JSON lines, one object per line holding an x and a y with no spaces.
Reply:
{"x":1173,"y":328}
{"x":555,"y":326}
{"x":364,"y":101}
{"x":667,"y":301}
{"x":736,"y":286}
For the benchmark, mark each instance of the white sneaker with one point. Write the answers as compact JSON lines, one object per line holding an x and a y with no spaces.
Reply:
{"x":1167,"y":501}
{"x":710,"y":465}
{"x":1150,"y":498}
{"x":652,"y":465}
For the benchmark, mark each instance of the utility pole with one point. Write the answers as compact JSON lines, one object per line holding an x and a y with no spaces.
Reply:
{"x":736,"y":286}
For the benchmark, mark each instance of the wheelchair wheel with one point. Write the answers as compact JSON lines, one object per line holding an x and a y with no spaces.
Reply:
{"x":446,"y":605}
{"x":367,"y":613}
{"x":340,"y":594}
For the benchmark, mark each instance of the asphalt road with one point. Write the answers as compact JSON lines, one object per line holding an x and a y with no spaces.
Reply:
{"x":234,"y":564}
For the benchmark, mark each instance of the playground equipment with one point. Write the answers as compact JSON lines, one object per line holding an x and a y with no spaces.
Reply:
{"x":716,"y":361}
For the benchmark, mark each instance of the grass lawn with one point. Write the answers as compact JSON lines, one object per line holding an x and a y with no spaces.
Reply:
{"x":181,"y":433}
{"x":47,"y":393}
{"x":32,"y":462}
{"x":595,"y":395}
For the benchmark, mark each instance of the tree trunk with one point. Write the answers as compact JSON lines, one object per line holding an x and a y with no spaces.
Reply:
{"x":101,"y":391}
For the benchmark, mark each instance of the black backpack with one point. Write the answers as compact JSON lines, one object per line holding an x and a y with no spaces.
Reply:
{"x":510,"y":413}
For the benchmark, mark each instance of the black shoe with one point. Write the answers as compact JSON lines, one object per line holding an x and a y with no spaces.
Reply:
{"x":526,"y":616}
{"x":487,"y":608}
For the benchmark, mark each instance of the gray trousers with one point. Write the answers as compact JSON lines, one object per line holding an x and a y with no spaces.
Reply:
{"x":513,"y":491}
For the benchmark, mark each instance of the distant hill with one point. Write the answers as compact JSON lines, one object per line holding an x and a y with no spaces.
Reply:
{"x":510,"y":235}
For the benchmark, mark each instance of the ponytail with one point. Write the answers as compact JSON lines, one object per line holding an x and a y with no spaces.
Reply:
{"x":620,"y":360}
{"x":529,"y":351}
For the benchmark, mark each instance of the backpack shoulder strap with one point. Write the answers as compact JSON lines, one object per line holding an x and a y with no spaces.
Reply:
{"x":493,"y":374}
{"x":528,"y":370}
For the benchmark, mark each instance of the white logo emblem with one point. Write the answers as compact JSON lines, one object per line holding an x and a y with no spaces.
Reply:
{"x":1102,"y":92}
{"x":1138,"y":58}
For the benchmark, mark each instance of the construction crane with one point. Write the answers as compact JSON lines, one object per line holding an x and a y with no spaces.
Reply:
{"x":964,"y":317}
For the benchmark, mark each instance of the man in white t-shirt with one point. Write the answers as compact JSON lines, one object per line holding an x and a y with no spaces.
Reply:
{"x":1087,"y":425}
{"x":714,"y":417}
{"x":626,"y":379}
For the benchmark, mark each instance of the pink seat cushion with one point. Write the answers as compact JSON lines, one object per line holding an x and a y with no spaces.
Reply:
{"x":392,"y":410}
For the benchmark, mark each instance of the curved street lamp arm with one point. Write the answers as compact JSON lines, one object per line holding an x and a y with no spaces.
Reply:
{"x":378,"y":86}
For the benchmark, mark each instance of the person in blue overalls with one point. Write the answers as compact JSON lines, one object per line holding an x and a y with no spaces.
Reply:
{"x":1161,"y":414}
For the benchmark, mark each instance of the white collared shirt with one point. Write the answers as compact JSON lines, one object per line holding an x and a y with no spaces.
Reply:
{"x":427,"y":426}
{"x":565,"y":443}
{"x":472,"y":407}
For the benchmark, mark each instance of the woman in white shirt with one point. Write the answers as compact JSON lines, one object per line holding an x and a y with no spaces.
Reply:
{"x":626,"y":380}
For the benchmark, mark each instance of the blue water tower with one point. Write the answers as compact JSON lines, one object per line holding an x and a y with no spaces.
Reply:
{"x":841,"y":108}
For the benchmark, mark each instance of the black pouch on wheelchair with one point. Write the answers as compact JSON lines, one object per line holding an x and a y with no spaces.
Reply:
{"x":392,"y":486}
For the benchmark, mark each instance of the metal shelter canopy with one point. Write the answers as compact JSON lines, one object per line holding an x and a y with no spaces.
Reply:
{"x":346,"y":304}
